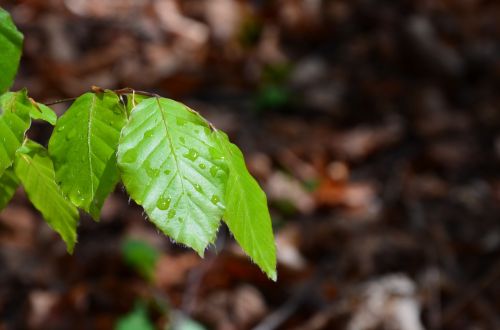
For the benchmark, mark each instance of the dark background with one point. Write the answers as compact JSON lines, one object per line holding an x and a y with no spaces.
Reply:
{"x":373,"y":126}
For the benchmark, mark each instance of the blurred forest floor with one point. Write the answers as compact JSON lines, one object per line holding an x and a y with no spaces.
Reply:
{"x":373,"y":126}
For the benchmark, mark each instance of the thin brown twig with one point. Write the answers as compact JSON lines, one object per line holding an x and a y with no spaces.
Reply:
{"x":61,"y":101}
{"x":125,"y":91}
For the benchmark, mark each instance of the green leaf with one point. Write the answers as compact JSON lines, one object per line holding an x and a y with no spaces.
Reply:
{"x":14,"y":122}
{"x":43,"y":112}
{"x":247,"y":215}
{"x":34,"y":169}
{"x":170,"y":165}
{"x":141,"y":256}
{"x":8,"y":185}
{"x":11,"y":43}
{"x":136,"y":320}
{"x":83,"y":147}
{"x":133,"y":100}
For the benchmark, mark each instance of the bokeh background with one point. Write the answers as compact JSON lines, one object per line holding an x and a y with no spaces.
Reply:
{"x":373,"y":126}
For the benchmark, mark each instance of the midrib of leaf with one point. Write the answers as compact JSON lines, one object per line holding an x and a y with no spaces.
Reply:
{"x":89,"y":152}
{"x":172,"y":150}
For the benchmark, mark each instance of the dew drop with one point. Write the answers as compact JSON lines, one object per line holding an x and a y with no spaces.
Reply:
{"x":167,"y":172}
{"x":171,"y":213}
{"x":215,"y":199}
{"x":213,"y":171}
{"x":197,"y":187}
{"x":202,"y":166}
{"x":77,"y":197}
{"x":60,"y":128}
{"x":152,"y":172}
{"x":130,"y":156}
{"x":148,"y":133}
{"x":163,"y":203}
{"x":191,"y":155}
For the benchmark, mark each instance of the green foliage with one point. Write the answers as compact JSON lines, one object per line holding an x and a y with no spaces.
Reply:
{"x":141,"y":256}
{"x":8,"y":185}
{"x":184,"y":172}
{"x":83,"y":147}
{"x":136,"y":320}
{"x":170,"y":166}
{"x":246,"y":213}
{"x":34,"y":169}
{"x":11,"y":41}
{"x":43,"y":112}
{"x":14,"y":122}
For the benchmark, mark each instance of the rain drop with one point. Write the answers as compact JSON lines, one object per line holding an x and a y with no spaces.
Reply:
{"x":148,"y":133}
{"x":152,"y":172}
{"x":163,"y":203}
{"x":171,"y":213}
{"x":191,"y":155}
{"x":202,"y":166}
{"x":197,"y":187}
{"x":213,"y":171}
{"x":215,"y":199}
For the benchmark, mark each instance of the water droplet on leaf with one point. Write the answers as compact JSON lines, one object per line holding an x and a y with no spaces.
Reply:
{"x":191,"y":155}
{"x":215,"y":199}
{"x":152,"y":172}
{"x":171,"y":213}
{"x":148,"y":133}
{"x":163,"y":203}
{"x":213,"y":171}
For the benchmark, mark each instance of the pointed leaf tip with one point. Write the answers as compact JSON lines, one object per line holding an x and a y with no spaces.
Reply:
{"x":34,"y":169}
{"x":247,"y":214}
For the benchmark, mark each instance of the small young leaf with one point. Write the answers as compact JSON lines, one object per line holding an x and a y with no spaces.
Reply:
{"x":11,"y":43}
{"x":83,"y":147}
{"x":14,"y":122}
{"x":34,"y":169}
{"x":43,"y":112}
{"x":169,"y":164}
{"x":247,"y":215}
{"x":141,"y":256}
{"x":135,"y":320}
{"x":8,"y":185}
